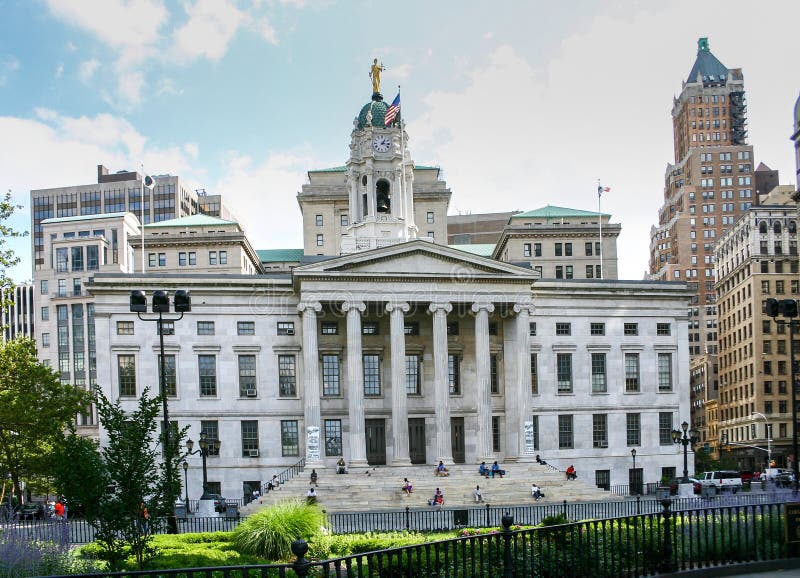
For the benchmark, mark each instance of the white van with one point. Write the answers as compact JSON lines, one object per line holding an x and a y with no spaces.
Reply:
{"x":722,"y":480}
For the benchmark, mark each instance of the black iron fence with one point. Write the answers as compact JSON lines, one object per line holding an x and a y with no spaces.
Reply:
{"x":644,"y":545}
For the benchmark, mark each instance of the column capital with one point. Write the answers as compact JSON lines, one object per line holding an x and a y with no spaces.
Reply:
{"x":315,"y":306}
{"x":434,"y":307}
{"x":478,"y":305}
{"x":525,"y":306}
{"x":359,"y":306}
{"x":399,"y":305}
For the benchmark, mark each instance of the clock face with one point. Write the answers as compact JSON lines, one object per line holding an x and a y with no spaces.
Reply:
{"x":381,"y":143}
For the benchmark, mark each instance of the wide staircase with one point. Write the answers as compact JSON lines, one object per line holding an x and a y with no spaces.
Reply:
{"x":379,"y":488}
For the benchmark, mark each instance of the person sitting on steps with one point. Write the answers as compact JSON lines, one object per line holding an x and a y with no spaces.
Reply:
{"x":441,"y":470}
{"x":536,"y":492}
{"x":438,"y":498}
{"x":407,"y":487}
{"x":311,"y":496}
{"x":571,"y":473}
{"x":540,"y":461}
{"x":496,"y":471}
{"x":483,"y":470}
{"x":341,"y":467}
{"x":314,"y":477}
{"x":478,"y":494}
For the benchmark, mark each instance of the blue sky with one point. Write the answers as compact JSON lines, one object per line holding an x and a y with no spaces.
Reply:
{"x":522,"y":104}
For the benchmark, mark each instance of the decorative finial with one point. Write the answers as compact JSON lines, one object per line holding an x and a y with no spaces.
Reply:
{"x":702,"y":44}
{"x":375,"y":75}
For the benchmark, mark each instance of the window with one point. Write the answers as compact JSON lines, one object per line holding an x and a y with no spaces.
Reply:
{"x":563,"y":329}
{"x":559,"y":272}
{"x":211,"y":429}
{"x":431,"y":234}
{"x":77,"y":258}
{"x":496,"y":434}
{"x":602,"y":479}
{"x":559,"y":249}
{"x":631,"y":372}
{"x":597,"y":329}
{"x":287,"y":376}
{"x":600,"y":430}
{"x":207,"y":370}
{"x":568,"y":272}
{"x":285,"y":327}
{"x":246,"y":327}
{"x":168,"y":327}
{"x":344,"y":220}
{"x":453,"y":328}
{"x":429,"y":217}
{"x":534,"y":374}
{"x":126,"y":372}
{"x":330,"y":375}
{"x":494,"y":377}
{"x":247,"y":376}
{"x":182,"y":259}
{"x":205,"y":328}
{"x":412,"y":374}
{"x":664,"y":372}
{"x":454,"y":373}
{"x":43,"y":287}
{"x":631,"y":329}
{"x":223,"y":257}
{"x":537,"y":249}
{"x":212,"y":257}
{"x":250,"y":438}
{"x":493,"y":329}
{"x":320,"y":240}
{"x":599,"y":381}
{"x":633,"y":423}
{"x":372,"y":374}
{"x":411,"y":328}
{"x":589,"y":271}
{"x":290,"y":439}
{"x":564,"y":372}
{"x":663,"y":329}
{"x":588,"y":249}
{"x":535,"y":422}
{"x":526,"y":249}
{"x":532,"y":329}
{"x":162,"y":259}
{"x":76,"y":286}
{"x":124,"y":327}
{"x":170,"y":375}
{"x":329,"y":328}
{"x":192,"y":258}
{"x":45,"y":340}
{"x":565,"y":433}
{"x":568,"y":249}
{"x":369,"y":328}
{"x":665,"y":428}
{"x":333,"y":437}
{"x":45,"y":313}
{"x":318,"y":219}
{"x":62,"y":258}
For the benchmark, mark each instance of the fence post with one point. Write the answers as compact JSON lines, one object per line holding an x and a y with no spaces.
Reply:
{"x":565,"y":508}
{"x":301,"y":565}
{"x":487,"y":524}
{"x":408,"y":518}
{"x":638,"y":505}
{"x":507,"y":520}
{"x":666,"y":559}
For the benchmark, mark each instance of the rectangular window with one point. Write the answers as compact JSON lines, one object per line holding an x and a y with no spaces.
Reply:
{"x":207,"y":370}
{"x":535,"y":423}
{"x":664,"y":372}
{"x":77,"y":258}
{"x":162,"y":259}
{"x":250,"y":438}
{"x":597,"y":329}
{"x":76,"y":287}
{"x":568,"y":272}
{"x":631,"y":372}
{"x":344,"y":220}
{"x":318,"y":219}
{"x":537,"y":249}
{"x":45,"y":313}
{"x":534,"y":374}
{"x":565,"y":433}
{"x":126,"y":372}
{"x":211,"y":430}
{"x":568,"y":249}
{"x":329,"y":328}
{"x":369,"y":328}
{"x":43,"y":287}
{"x":532,"y":329}
{"x":285,"y":327}
{"x":602,"y":479}
{"x":182,"y":259}
{"x":168,"y":327}
{"x":429,"y":217}
{"x":62,"y":258}
{"x":559,"y":249}
{"x":564,"y":372}
{"x":92,"y":258}
{"x":372,"y":374}
{"x":223,"y":257}
{"x":124,"y":327}
{"x":212,"y":257}
{"x":192,"y":258}
{"x":559,"y":272}
{"x":494,"y":376}
{"x":412,"y":374}
{"x":205,"y":328}
{"x":411,"y":328}
{"x":290,"y":439}
{"x":287,"y":376}
{"x":663,"y":329}
{"x":333,"y":437}
{"x":631,"y":329}
{"x":330,"y":375}
{"x":526,"y":249}
{"x":454,"y":373}
{"x":599,"y":381}
{"x":496,"y":434}
{"x":633,"y":426}
{"x":320,"y":240}
{"x":563,"y":328}
{"x":45,"y":340}
{"x":587,"y":249}
{"x":589,"y":271}
{"x":247,"y":376}
{"x":246,"y":327}
{"x":665,"y":428}
{"x":170,"y":375}
{"x":600,"y":430}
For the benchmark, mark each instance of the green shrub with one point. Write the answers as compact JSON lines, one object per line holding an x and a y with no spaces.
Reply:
{"x":270,"y":532}
{"x":556,"y":520}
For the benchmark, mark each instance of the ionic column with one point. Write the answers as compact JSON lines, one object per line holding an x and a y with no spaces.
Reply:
{"x":355,"y":390}
{"x":522,"y":387}
{"x":311,"y":393}
{"x":444,"y":447}
{"x":483,"y":381}
{"x":399,"y":394}
{"x":370,"y":195}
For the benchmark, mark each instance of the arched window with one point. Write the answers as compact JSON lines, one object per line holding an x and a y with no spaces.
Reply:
{"x":777,"y":227}
{"x":762,"y":227}
{"x":383,"y":197}
{"x":792,"y":227}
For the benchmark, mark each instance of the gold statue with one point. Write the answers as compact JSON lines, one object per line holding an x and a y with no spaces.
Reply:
{"x":375,"y":75}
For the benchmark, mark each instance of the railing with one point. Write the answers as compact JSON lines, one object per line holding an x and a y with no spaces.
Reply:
{"x":649,"y":489}
{"x":287,"y":474}
{"x":646,"y":545}
{"x":194,"y":505}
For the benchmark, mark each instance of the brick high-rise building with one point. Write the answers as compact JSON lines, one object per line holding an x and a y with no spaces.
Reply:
{"x":708,"y":187}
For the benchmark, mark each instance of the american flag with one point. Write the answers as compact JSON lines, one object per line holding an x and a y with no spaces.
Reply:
{"x":392,"y":111}
{"x":601,"y":189}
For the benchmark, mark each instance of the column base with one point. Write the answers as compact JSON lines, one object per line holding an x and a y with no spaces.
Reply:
{"x":400,"y":462}
{"x":447,"y":460}
{"x":358,"y":464}
{"x":315,"y":465}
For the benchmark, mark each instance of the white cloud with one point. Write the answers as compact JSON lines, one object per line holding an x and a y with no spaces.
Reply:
{"x":268,"y":31}
{"x":8,"y":66}
{"x":167,"y":86}
{"x":87,"y":69}
{"x":191,"y":149}
{"x":211,"y":26}
{"x":59,"y":70}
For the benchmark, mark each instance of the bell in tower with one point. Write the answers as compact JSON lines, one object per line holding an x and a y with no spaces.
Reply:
{"x":383,"y":200}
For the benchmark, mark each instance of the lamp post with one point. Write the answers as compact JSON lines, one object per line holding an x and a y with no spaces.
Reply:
{"x":183,"y":304}
{"x":684,"y":437}
{"x":206,"y":446}
{"x":186,"y":484}
{"x":788,"y":308}
{"x":768,"y":435}
{"x":633,"y":476}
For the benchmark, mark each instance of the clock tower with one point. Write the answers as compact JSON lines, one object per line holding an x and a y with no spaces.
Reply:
{"x":379,"y":181}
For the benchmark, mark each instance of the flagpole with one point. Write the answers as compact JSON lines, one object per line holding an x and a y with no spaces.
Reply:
{"x":406,"y":208}
{"x":141,"y":211}
{"x":600,"y":221}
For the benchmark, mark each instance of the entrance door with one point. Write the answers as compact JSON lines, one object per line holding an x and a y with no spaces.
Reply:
{"x":375,"y":430}
{"x":457,"y":437}
{"x":635,"y":479}
{"x":416,"y":439}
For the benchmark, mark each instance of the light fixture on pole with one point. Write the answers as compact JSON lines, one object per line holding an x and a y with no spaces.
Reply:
{"x":183,"y":304}
{"x":768,"y":435}
{"x":684,"y":437}
{"x":207,"y":447}
{"x":186,"y":484}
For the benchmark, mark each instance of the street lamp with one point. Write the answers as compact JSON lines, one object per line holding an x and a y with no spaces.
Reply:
{"x":183,"y":304}
{"x":186,"y":484}
{"x":788,"y":308}
{"x":633,"y":477}
{"x":206,"y":447}
{"x":768,"y":435}
{"x":684,"y":437}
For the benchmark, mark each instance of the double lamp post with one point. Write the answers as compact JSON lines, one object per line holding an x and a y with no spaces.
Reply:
{"x":685,"y":437}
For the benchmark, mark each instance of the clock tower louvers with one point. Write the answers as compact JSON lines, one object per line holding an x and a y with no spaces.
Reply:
{"x":379,"y":181}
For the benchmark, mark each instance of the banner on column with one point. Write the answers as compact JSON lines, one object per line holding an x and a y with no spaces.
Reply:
{"x":312,"y":442}
{"x":528,"y":429}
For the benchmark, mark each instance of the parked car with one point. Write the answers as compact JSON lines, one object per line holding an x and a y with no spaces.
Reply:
{"x":675,"y":482}
{"x":32,"y":511}
{"x":749,"y":476}
{"x":722,"y":480}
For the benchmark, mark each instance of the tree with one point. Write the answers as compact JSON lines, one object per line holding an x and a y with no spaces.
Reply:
{"x":7,"y":256}
{"x":111,"y":482}
{"x":35,"y":410}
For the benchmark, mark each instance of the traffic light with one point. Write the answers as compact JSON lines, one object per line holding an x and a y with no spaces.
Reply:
{"x":773,"y":307}
{"x":788,"y":307}
{"x":138,"y":302}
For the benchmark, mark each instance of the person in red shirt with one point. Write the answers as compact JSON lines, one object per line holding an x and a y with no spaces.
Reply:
{"x":59,"y":510}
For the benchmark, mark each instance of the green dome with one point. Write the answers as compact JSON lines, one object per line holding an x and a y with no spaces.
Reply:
{"x":379,"y":109}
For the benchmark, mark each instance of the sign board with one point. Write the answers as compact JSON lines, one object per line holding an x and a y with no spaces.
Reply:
{"x":312,"y":442}
{"x":528,"y":428}
{"x":792,"y":517}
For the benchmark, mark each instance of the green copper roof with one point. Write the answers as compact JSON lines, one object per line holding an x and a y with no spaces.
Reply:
{"x":276,"y":255}
{"x":480,"y":249}
{"x":706,"y":65}
{"x":551,"y":212}
{"x":198,"y":220}
{"x":379,"y":109}
{"x":330,"y":170}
